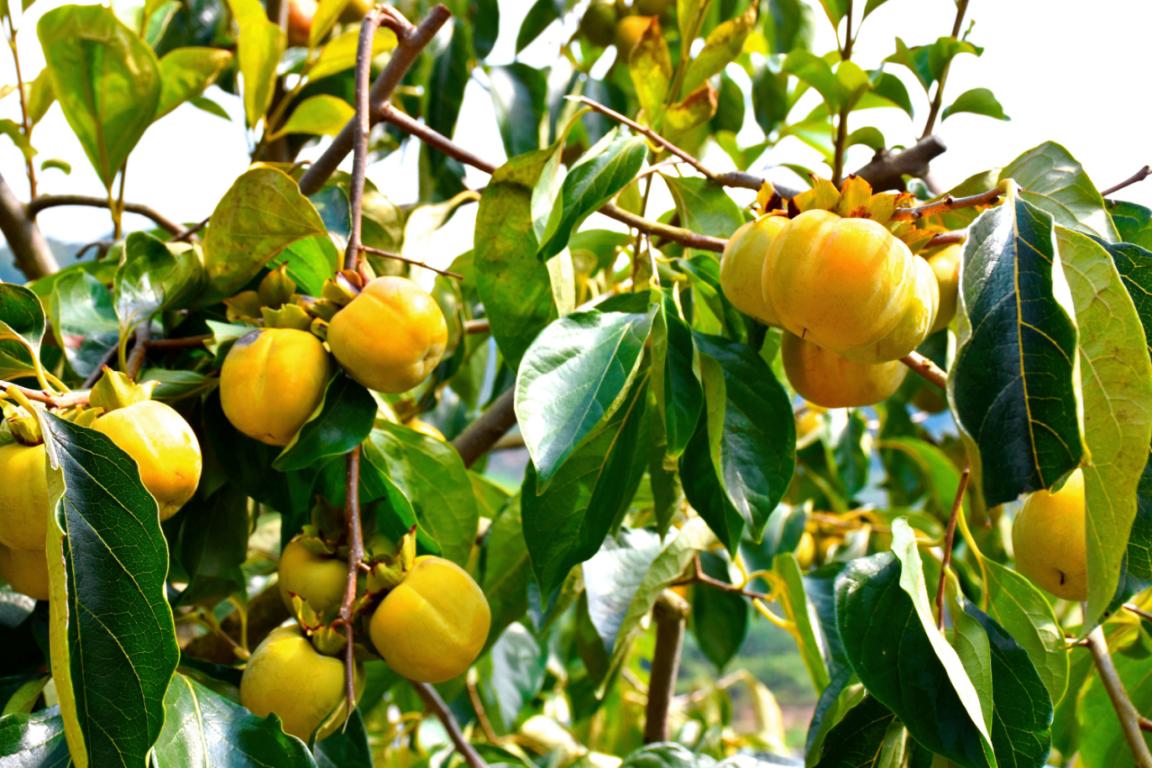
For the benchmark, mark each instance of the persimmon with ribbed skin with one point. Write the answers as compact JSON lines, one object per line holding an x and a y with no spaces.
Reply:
{"x":825,"y":378}
{"x":1050,"y":542}
{"x":163,"y":446}
{"x":945,"y":264}
{"x":434,"y":624}
{"x":271,"y":382}
{"x":320,"y":581}
{"x":287,"y":676}
{"x":742,"y":264}
{"x":914,"y":325}
{"x":25,"y":570}
{"x":23,"y":496}
{"x":842,"y":283}
{"x":391,"y":336}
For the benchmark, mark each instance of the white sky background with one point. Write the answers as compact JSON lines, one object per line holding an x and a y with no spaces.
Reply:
{"x":1063,"y":71}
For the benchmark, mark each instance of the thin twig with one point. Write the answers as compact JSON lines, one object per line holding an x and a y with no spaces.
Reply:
{"x":189,"y":233}
{"x":355,"y":558}
{"x":669,"y":614}
{"x":410,"y":42}
{"x":25,"y":118}
{"x":945,"y":204}
{"x":98,"y":371}
{"x":1140,"y":175}
{"x":413,"y":262}
{"x":1137,"y":611}
{"x":924,"y":367}
{"x":947,"y":238}
{"x":53,"y":201}
{"x":180,"y":343}
{"x":66,"y":400}
{"x":1145,"y":723}
{"x":481,"y":713}
{"x":1125,"y":710}
{"x":477,"y":326}
{"x":949,"y":539}
{"x":363,"y":125}
{"x":436,"y":704}
{"x":938,"y":97}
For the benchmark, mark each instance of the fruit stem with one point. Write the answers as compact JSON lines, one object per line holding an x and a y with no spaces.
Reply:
{"x":1125,"y":710}
{"x":949,"y":539}
{"x":436,"y":704}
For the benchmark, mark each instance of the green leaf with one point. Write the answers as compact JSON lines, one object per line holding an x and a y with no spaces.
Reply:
{"x":612,"y":577}
{"x":1116,"y":376}
{"x":205,"y":104}
{"x":650,"y":67}
{"x":676,"y":389}
{"x":258,"y":217}
{"x":83,"y":321}
{"x":1133,"y":222}
{"x":796,"y":604}
{"x":326,"y":15}
{"x":723,"y":44}
{"x":22,"y":327}
{"x":928,"y":62}
{"x":512,"y":673}
{"x":666,"y":755}
{"x":259,"y":48}
{"x":604,"y":350}
{"x":310,"y":262}
{"x":321,"y":115}
{"x":539,"y":17}
{"x":835,"y":10}
{"x":602,"y":172}
{"x":106,"y":80}
{"x":566,"y":520}
{"x":817,"y":73}
{"x":719,"y":618}
{"x":1012,"y":379}
{"x":890,"y":88}
{"x":1023,"y":611}
{"x":751,"y":428}
{"x":1102,"y":742}
{"x":704,"y":206}
{"x":505,"y":569}
{"x":213,"y":545}
{"x":512,"y":283}
{"x":941,"y":478}
{"x":15,"y":132}
{"x":186,"y":72}
{"x":978,"y":101}
{"x":1053,"y":181}
{"x":112,"y":634}
{"x":925,"y":684}
{"x":433,"y":478}
{"x":861,"y":739}
{"x":41,"y":96}
{"x":342,"y":422}
{"x":203,"y":728}
{"x":152,"y":278}
{"x":704,"y":492}
{"x":339,"y":54}
{"x":35,"y":739}
{"x":520,"y":99}
{"x":444,"y":94}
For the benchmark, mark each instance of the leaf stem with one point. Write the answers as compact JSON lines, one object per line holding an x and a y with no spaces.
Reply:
{"x":949,"y":539}
{"x":1125,"y":710}
{"x":66,"y":400}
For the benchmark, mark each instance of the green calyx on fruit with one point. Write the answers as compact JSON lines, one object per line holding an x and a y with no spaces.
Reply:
{"x":1050,"y":542}
{"x":288,"y":677}
{"x":830,"y":380}
{"x":391,"y":336}
{"x":434,"y":624}
{"x":272,"y":381}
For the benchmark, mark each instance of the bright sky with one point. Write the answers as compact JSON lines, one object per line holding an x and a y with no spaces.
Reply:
{"x":1060,"y":71}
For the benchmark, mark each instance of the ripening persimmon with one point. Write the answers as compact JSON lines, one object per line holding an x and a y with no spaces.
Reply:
{"x":914,"y":325}
{"x":23,"y":495}
{"x":1050,"y":542}
{"x":320,"y":581}
{"x":742,"y":264}
{"x":825,"y":378}
{"x":945,"y":265}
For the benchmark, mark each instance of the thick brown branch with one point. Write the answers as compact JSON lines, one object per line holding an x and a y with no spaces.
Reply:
{"x":669,"y":614}
{"x":946,"y":204}
{"x":54,"y":201}
{"x":410,"y":42}
{"x":483,"y":433}
{"x":887,"y":169}
{"x":949,"y":540}
{"x":436,"y":704}
{"x":29,"y":248}
{"x":924,"y":367}
{"x":1125,"y":710}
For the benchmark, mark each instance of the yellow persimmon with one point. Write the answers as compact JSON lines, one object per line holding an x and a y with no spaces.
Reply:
{"x":23,"y":495}
{"x":25,"y":570}
{"x":825,"y":378}
{"x":1049,"y":540}
{"x":742,"y":265}
{"x":320,"y":581}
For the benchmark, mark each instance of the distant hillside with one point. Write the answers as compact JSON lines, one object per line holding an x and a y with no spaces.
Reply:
{"x":63,"y":251}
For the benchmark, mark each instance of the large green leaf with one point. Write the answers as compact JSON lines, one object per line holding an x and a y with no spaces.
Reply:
{"x":111,"y":630}
{"x":863,"y":738}
{"x":153,"y":277}
{"x":719,"y":618}
{"x":186,"y":72}
{"x":1133,"y":222}
{"x":433,"y":478}
{"x":929,"y":62}
{"x":320,"y":115}
{"x":723,"y":44}
{"x":106,"y":79}
{"x":511,"y":674}
{"x":35,"y":739}
{"x":565,"y":521}
{"x":1012,"y":381}
{"x":514,"y":286}
{"x":440,"y":177}
{"x":751,"y":428}
{"x":795,"y":601}
{"x":704,"y":491}
{"x":1117,"y":387}
{"x":202,"y":729}
{"x":612,"y":577}
{"x":520,"y":100}
{"x":925,"y":684}
{"x":505,"y":568}
{"x":213,"y":544}
{"x":1053,"y":181}
{"x":22,"y":325}
{"x":1102,"y":742}
{"x":602,"y":172}
{"x":675,"y":387}
{"x":258,"y":217}
{"x":343,"y":421}
{"x":602,"y":350}
{"x":83,"y":320}
{"x":258,"y":52}
{"x":650,"y":68}
{"x":1023,"y":611}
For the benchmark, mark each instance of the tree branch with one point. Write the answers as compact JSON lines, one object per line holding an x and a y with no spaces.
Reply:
{"x":1125,"y":711}
{"x":924,"y":367}
{"x":948,"y":203}
{"x":938,"y":97}
{"x":413,"y":262}
{"x":410,"y":42}
{"x":29,"y":248}
{"x":67,"y":400}
{"x":355,"y":559}
{"x":669,"y":614}
{"x":54,"y":201}
{"x":949,"y":539}
{"x":436,"y":704}
{"x":887,"y":169}
{"x":1139,"y":176}
{"x":483,"y":433}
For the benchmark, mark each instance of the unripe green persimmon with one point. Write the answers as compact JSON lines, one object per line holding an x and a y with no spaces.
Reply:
{"x":945,"y":265}
{"x":1049,"y":540}
{"x":433,"y":625}
{"x":23,"y":496}
{"x":271,"y":382}
{"x":840,"y":283}
{"x":163,"y":446}
{"x":598,"y":24}
{"x":914,"y":325}
{"x":825,"y":378}
{"x":287,"y":676}
{"x":25,"y":570}
{"x":320,"y":581}
{"x":742,"y":265}
{"x":391,"y":336}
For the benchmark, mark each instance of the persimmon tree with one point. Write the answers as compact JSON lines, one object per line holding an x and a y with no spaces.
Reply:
{"x":255,"y":505}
